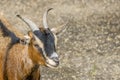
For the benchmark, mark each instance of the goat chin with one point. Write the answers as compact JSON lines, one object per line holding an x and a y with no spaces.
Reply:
{"x":50,"y":63}
{"x":51,"y":66}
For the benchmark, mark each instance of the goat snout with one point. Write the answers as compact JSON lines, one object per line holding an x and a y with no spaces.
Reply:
{"x":56,"y":60}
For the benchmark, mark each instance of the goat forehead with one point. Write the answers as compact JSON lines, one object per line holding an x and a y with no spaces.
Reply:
{"x":45,"y":37}
{"x":48,"y":41}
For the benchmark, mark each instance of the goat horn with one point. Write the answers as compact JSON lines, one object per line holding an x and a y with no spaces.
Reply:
{"x":31,"y":24}
{"x":45,"y":18}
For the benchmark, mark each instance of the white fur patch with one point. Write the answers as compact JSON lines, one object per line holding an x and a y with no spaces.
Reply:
{"x":27,"y":39}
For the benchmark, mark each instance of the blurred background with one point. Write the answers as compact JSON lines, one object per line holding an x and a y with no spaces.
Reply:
{"x":89,"y":49}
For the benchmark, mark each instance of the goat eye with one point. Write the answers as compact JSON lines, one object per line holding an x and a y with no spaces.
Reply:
{"x":36,"y":45}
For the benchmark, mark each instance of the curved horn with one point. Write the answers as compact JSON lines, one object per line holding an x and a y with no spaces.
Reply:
{"x":31,"y":24}
{"x":45,"y":18}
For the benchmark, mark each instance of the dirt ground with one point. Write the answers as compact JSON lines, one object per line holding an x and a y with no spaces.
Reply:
{"x":90,"y":48}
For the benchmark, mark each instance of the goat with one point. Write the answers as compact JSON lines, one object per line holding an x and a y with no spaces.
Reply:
{"x":20,"y":61}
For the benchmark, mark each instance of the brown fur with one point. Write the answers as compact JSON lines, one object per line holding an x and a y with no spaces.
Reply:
{"x":19,"y":62}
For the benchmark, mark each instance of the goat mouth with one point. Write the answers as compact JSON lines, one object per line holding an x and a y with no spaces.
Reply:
{"x":51,"y":63}
{"x":51,"y":66}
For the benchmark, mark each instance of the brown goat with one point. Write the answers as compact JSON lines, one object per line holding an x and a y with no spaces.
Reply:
{"x":20,"y":58}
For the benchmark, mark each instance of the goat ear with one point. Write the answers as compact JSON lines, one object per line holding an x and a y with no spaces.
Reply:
{"x":25,"y":40}
{"x":60,"y":29}
{"x":30,"y":34}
